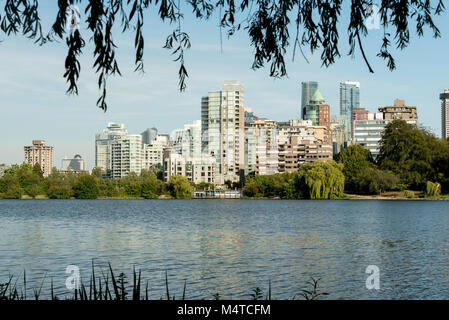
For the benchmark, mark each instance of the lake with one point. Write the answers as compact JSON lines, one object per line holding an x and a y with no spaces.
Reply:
{"x":232,"y":246}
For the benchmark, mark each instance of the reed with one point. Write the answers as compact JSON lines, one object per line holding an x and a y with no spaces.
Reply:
{"x":100,"y":289}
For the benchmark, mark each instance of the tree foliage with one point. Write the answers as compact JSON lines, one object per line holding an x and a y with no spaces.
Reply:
{"x":414,"y":154}
{"x":375,"y":181}
{"x":354,"y":159}
{"x":179,"y":187}
{"x":86,"y":187}
{"x":321,"y":180}
{"x":270,"y":25}
{"x":433,"y":189}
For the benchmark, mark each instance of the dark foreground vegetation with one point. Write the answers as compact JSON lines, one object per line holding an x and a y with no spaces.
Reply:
{"x":411,"y":161}
{"x":112,"y":286}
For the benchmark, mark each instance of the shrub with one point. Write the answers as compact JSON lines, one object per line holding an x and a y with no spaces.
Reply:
{"x":433,"y":189}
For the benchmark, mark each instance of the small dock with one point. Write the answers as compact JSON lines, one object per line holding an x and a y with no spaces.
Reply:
{"x":217,"y":194}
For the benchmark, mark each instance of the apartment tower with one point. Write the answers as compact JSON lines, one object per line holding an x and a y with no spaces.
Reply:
{"x":444,"y":97}
{"x":40,"y":153}
{"x":223,"y":130}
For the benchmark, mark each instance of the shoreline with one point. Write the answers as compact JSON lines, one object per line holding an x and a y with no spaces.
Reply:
{"x":386,"y":197}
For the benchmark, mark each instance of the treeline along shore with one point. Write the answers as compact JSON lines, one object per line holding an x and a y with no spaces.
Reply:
{"x":413,"y":163}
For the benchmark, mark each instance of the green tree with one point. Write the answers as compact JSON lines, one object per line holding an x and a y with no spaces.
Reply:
{"x":433,"y":189}
{"x":106,"y":188}
{"x":322,"y":180}
{"x":374,"y":181}
{"x":98,"y":172}
{"x":86,"y":187}
{"x":30,"y":178}
{"x":58,"y":186}
{"x":150,"y":189}
{"x":179,"y":187}
{"x":132,"y":184}
{"x":250,"y":189}
{"x":355,"y":158}
{"x":268,"y":23}
{"x":10,"y":187}
{"x":413,"y":153}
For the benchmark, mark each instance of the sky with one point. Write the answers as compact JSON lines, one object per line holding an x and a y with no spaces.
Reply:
{"x":34,"y":105}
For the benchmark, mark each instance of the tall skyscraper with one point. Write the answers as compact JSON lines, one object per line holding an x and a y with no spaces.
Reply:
{"x":317,"y":110}
{"x":308,"y":89}
{"x":40,"y":153}
{"x":223,"y":129}
{"x":444,"y":97}
{"x":349,"y":100}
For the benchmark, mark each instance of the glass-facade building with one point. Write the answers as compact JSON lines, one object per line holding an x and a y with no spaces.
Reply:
{"x":308,"y":89}
{"x":222,"y":128}
{"x":349,"y":100}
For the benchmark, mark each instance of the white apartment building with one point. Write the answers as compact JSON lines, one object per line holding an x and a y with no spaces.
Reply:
{"x":187,"y":141}
{"x":296,"y":127}
{"x":40,"y":153}
{"x":153,"y":154}
{"x":223,"y":131}
{"x":368,"y":133}
{"x":444,"y":97}
{"x":196,"y":169}
{"x":117,"y":152}
{"x":103,"y":145}
{"x":261,"y":149}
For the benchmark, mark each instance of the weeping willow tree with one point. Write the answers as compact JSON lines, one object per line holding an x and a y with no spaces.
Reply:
{"x":433,"y":189}
{"x":273,"y":26}
{"x":323,"y":180}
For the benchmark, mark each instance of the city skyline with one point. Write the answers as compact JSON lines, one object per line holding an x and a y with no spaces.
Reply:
{"x":172,"y":133}
{"x":36,"y":89}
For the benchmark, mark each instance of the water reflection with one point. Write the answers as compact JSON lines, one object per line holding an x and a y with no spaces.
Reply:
{"x":233,"y":246}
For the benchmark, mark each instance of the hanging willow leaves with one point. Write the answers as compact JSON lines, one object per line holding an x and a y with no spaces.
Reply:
{"x":267,"y":23}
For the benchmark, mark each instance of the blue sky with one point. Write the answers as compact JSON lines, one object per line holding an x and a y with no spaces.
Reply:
{"x":33,"y":103}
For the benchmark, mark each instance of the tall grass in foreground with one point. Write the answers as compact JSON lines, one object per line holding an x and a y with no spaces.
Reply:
{"x":110,"y":286}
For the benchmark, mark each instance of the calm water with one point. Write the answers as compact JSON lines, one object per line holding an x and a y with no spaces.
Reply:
{"x":232,"y":246}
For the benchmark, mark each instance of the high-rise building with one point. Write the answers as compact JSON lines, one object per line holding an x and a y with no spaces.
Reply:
{"x":308,"y":89}
{"x":153,"y":154}
{"x":222,"y":127}
{"x":126,"y":155}
{"x":300,"y":142}
{"x":117,"y":152}
{"x":197,"y":169}
{"x":40,"y":153}
{"x":103,"y":144}
{"x":261,"y":150}
{"x":149,"y":135}
{"x":399,"y":111}
{"x":368,"y":133}
{"x":358,"y":114}
{"x":187,"y":141}
{"x":317,"y":110}
{"x":349,"y":100}
{"x":76,"y":164}
{"x":444,"y":97}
